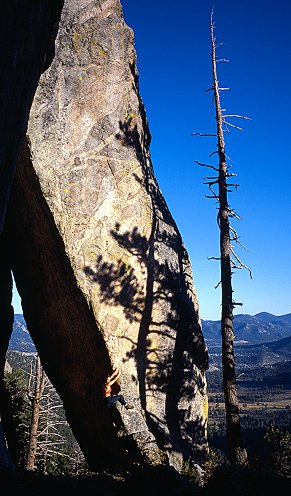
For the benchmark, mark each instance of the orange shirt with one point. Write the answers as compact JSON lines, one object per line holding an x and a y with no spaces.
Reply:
{"x":107,"y":391}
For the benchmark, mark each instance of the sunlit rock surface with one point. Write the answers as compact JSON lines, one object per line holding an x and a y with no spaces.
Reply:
{"x":98,"y":260}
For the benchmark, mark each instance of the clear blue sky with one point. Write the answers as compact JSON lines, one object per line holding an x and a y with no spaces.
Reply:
{"x":173,"y":49}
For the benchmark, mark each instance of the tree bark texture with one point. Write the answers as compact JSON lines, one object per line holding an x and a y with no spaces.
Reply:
{"x":35,"y":402}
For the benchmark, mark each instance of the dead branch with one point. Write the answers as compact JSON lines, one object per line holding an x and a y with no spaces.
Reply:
{"x":234,"y":233}
{"x":210,"y":188}
{"x":206,"y":165}
{"x":231,"y":125}
{"x":203,"y":134}
{"x":237,"y":116}
{"x":233,"y":213}
{"x":214,"y":197}
{"x":240,"y":262}
{"x":233,"y":266}
{"x":236,"y":238}
{"x":59,"y":453}
{"x":210,"y":183}
{"x":218,"y":44}
{"x":233,"y":186}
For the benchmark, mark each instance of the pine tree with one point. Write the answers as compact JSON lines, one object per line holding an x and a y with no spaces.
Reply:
{"x":15,"y":383}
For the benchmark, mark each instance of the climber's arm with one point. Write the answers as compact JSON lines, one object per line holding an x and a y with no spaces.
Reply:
{"x":114,"y":376}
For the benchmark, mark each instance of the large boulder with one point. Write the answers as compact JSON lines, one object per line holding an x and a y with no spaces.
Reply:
{"x":103,"y":274}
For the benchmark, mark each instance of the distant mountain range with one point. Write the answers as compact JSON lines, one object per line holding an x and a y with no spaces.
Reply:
{"x":250,"y":329}
{"x":262,"y":339}
{"x":263,"y":354}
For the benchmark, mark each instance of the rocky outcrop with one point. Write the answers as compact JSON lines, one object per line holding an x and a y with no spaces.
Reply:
{"x":103,"y":274}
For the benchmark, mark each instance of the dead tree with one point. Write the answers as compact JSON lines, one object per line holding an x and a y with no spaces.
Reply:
{"x":39,"y":384}
{"x":51,"y":443}
{"x":47,"y":442}
{"x":219,"y":186}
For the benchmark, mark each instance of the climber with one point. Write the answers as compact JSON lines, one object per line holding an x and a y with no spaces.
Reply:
{"x":111,"y":400}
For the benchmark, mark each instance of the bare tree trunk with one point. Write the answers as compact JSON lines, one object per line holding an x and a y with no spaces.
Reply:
{"x":40,"y":379}
{"x":238,"y":453}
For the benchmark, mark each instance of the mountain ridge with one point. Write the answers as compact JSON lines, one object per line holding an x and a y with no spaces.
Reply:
{"x":251,"y":329}
{"x":260,"y":355}
{"x":253,"y":348}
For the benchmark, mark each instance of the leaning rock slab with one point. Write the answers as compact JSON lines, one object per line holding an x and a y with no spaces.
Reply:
{"x":102,"y":271}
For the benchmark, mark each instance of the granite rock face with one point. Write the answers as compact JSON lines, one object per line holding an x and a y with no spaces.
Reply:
{"x":103,"y":274}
